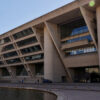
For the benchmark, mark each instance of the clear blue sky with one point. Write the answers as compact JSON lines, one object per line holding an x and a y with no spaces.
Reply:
{"x":14,"y":13}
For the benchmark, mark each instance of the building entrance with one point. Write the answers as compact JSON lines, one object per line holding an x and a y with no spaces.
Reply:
{"x":86,"y":75}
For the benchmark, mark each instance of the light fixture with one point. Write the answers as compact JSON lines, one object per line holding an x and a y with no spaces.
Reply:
{"x":92,"y":3}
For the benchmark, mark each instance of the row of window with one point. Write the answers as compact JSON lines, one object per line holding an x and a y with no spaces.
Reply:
{"x":23,"y":51}
{"x":31,"y":49}
{"x":27,"y":41}
{"x":34,"y":57}
{"x":75,"y":27}
{"x":8,"y":47}
{"x":23,"y":33}
{"x":79,"y":30}
{"x":19,"y":35}
{"x":11,"y":54}
{"x":17,"y":60}
{"x":28,"y":58}
{"x":80,"y":38}
{"x":81,"y":51}
{"x":22,"y":43}
{"x":6,"y":40}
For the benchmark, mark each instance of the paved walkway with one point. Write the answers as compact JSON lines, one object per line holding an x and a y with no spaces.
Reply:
{"x":64,"y":91}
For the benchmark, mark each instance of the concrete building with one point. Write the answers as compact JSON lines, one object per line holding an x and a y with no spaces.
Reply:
{"x":62,"y":45}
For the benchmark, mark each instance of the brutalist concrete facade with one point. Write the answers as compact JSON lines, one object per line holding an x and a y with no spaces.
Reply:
{"x":61,"y":46}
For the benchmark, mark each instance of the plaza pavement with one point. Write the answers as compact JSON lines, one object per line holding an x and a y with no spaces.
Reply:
{"x":70,"y":91}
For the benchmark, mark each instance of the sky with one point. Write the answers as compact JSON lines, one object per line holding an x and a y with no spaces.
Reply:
{"x":14,"y":13}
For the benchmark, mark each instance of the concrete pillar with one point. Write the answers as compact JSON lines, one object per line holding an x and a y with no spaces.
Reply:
{"x":53,"y":67}
{"x":12,"y":72}
{"x":32,"y":68}
{"x":98,"y":31}
{"x":89,"y":17}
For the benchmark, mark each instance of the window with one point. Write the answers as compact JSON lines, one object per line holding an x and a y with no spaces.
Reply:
{"x":34,"y":57}
{"x":27,"y":41}
{"x":23,"y":33}
{"x":73,"y":28}
{"x":31,"y":49}
{"x":79,"y":30}
{"x":80,"y":38}
{"x":17,"y":60}
{"x":81,"y":51}
{"x":7,"y":39}
{"x":11,"y":54}
{"x":8,"y":47}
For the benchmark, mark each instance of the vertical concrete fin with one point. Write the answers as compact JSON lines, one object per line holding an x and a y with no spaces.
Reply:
{"x":11,"y":72}
{"x":98,"y":31}
{"x":29,"y":71}
{"x":20,"y":54}
{"x":53,"y":66}
{"x":52,"y":29}
{"x":38,"y":36}
{"x":88,"y":17}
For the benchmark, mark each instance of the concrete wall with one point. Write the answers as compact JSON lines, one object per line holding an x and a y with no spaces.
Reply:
{"x":82,"y":60}
{"x":98,"y":31}
{"x":53,"y":68}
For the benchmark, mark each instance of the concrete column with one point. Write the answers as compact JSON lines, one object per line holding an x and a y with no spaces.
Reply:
{"x":98,"y":31}
{"x":32,"y":68}
{"x":53,"y":68}
{"x":89,"y":17}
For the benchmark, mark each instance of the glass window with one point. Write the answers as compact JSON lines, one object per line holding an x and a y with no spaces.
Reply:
{"x":31,"y":49}
{"x":17,"y":60}
{"x":11,"y":54}
{"x":82,"y":51}
{"x":8,"y":47}
{"x":23,"y":33}
{"x":73,"y":28}
{"x":34,"y":57}
{"x":80,"y":38}
{"x":7,"y":39}
{"x":27,"y":41}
